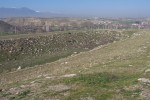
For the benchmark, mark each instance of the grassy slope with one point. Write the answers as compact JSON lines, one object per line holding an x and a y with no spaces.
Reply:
{"x":106,"y":72}
{"x":45,"y":48}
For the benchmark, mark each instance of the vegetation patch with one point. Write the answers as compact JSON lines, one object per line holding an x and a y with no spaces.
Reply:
{"x":99,"y":86}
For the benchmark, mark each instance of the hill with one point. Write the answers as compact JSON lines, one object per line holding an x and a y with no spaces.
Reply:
{"x":6,"y":28}
{"x":116,"y":71}
{"x":19,"y":50}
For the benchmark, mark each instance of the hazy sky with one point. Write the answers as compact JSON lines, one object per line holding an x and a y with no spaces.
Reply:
{"x":109,"y":8}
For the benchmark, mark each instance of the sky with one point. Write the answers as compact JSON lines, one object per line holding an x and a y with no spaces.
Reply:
{"x":102,"y":8}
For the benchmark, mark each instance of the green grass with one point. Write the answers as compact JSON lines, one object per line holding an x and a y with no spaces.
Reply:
{"x":94,"y":79}
{"x":20,"y":95}
{"x":2,"y":94}
{"x":23,"y":94}
{"x":30,"y":61}
{"x":130,"y":93}
{"x":99,"y":86}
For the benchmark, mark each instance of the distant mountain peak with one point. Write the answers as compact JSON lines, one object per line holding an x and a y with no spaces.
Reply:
{"x":24,"y":12}
{"x":16,"y":12}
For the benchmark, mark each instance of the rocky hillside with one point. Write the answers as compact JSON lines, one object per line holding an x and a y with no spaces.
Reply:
{"x":33,"y":50}
{"x":119,"y":70}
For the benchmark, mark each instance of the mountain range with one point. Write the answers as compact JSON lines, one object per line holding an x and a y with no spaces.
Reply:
{"x":25,"y":12}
